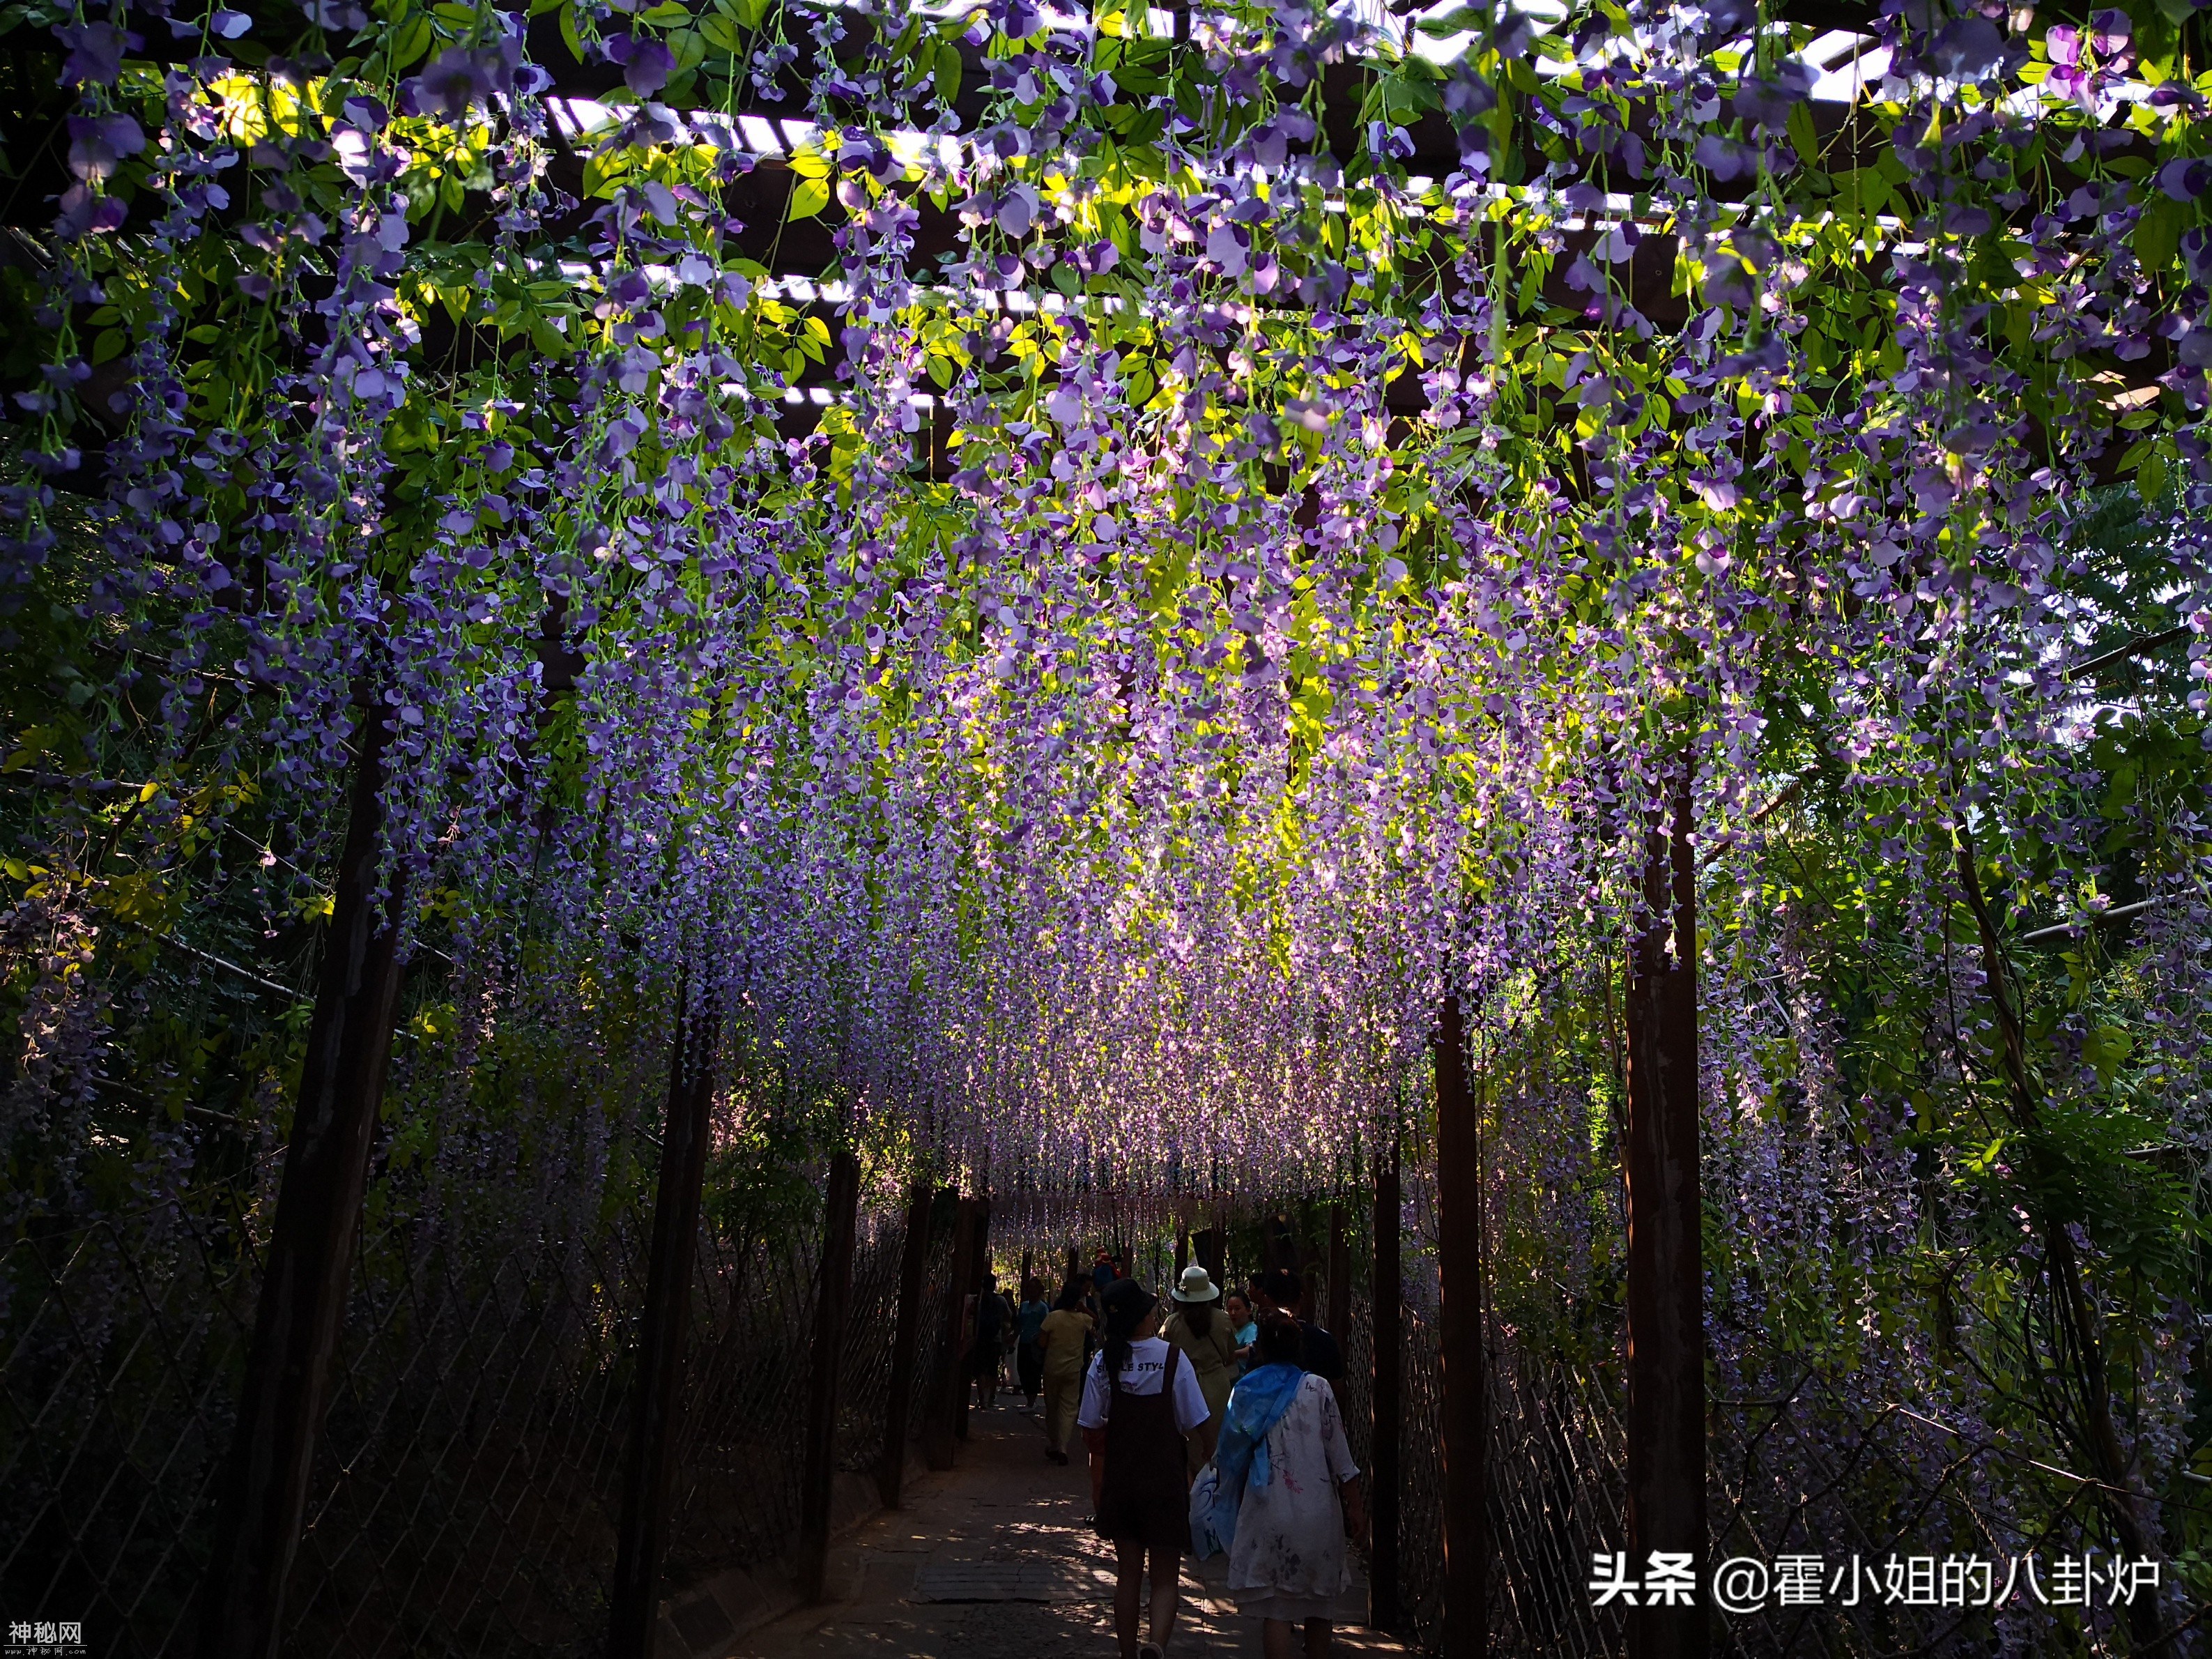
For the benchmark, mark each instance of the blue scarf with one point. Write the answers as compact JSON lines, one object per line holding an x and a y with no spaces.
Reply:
{"x":1257,"y":1404}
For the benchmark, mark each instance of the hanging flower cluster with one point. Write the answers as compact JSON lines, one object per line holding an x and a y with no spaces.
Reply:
{"x":1093,"y":565}
{"x":1229,"y":541}
{"x":1077,"y":571}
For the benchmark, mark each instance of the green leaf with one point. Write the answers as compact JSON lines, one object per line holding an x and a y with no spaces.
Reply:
{"x":412,"y":40}
{"x":948,"y":71}
{"x":1801,"y":133}
{"x":2151,"y":479}
{"x":2158,"y":233}
{"x":1458,"y":19}
{"x":809,"y":198}
{"x":720,"y":33}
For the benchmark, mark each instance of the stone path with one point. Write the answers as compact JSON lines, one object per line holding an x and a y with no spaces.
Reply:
{"x":991,"y":1561}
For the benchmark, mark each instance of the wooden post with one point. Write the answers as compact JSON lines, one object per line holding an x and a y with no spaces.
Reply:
{"x":643,"y":1540}
{"x":1283,"y":1245}
{"x":979,"y":1268}
{"x":1384,"y":1396}
{"x":264,"y":1492}
{"x":1181,"y":1249}
{"x":833,"y":1298}
{"x":948,"y":1391}
{"x":906,"y":1339}
{"x":1205,"y":1245}
{"x":1340,"y":1276}
{"x":1666,"y":1414}
{"x":1464,"y":1629}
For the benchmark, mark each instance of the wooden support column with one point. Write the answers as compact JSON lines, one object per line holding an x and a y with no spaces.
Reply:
{"x":641,"y":1541}
{"x":1182,"y":1250}
{"x":979,"y":1268}
{"x":833,"y":1300}
{"x":906,"y":1340}
{"x":1666,"y":1301}
{"x":264,"y":1488}
{"x":948,"y":1390}
{"x":1385,"y":1396}
{"x":1465,"y":1630}
{"x":1340,"y":1276}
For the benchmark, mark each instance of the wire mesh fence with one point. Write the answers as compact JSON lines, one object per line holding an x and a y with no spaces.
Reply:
{"x":124,"y":1339}
{"x":469,"y":1478}
{"x":1881,"y":1496}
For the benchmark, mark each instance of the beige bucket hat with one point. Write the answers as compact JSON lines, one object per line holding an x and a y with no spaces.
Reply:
{"x":1196,"y":1286}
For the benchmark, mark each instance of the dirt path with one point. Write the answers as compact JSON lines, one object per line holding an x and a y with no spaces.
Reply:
{"x":992,"y":1560}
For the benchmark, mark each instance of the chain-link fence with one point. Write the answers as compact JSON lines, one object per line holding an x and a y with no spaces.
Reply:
{"x":124,"y":1337}
{"x":469,"y":1478}
{"x":1881,"y":1496}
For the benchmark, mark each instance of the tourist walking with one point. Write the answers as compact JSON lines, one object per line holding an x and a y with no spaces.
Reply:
{"x":1029,"y":1347}
{"x":1241,"y":1326}
{"x":1064,"y":1341}
{"x":1286,"y":1493}
{"x":1139,"y":1399}
{"x":1201,"y":1331}
{"x":1286,"y":1290}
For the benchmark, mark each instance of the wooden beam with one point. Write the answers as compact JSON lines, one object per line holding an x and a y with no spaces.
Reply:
{"x":906,"y":1338}
{"x":1465,"y":1631}
{"x":301,"y":1310}
{"x":832,"y":1302}
{"x":1385,"y":1393}
{"x":1666,"y":1298}
{"x":641,"y":1541}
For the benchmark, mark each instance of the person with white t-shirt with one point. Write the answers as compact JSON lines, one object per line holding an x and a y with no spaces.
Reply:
{"x":1139,"y":1400}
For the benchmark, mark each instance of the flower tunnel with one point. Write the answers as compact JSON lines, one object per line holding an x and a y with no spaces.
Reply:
{"x":678,"y":678}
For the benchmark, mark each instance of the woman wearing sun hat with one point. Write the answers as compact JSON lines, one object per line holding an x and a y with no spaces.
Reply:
{"x":1199,"y":1327}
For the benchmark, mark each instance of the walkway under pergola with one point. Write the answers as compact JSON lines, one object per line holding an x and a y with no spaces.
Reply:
{"x":993,"y":1559}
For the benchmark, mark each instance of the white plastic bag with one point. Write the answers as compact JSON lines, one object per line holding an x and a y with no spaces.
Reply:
{"x":1203,"y":1542}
